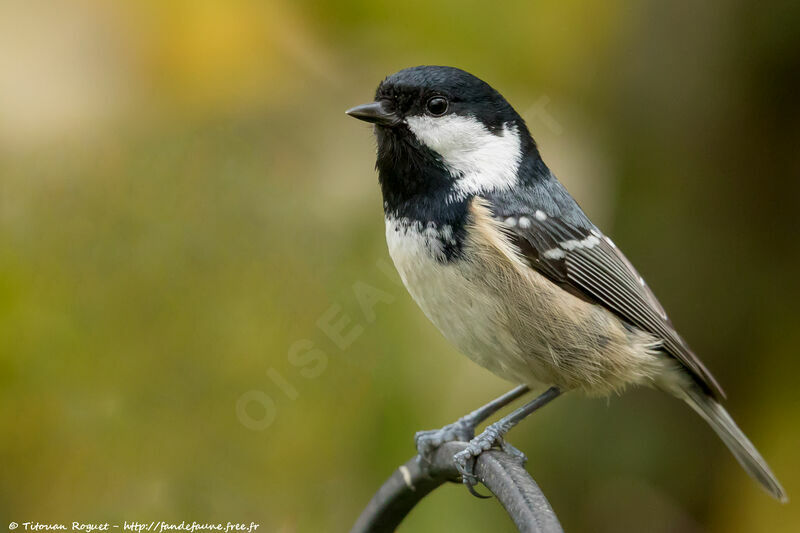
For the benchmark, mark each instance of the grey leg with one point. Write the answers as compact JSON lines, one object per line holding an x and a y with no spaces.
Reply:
{"x":463,"y":429}
{"x":493,"y":435}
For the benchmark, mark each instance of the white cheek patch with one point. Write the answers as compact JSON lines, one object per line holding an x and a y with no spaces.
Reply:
{"x":479,"y":160}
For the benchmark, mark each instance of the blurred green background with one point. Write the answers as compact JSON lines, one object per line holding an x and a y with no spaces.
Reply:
{"x":183,"y":202}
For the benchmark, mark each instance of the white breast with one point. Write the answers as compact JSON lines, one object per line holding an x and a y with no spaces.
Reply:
{"x":510,"y":319}
{"x":455,"y":297}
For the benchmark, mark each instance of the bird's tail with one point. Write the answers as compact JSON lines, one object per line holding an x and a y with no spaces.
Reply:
{"x":744,"y":451}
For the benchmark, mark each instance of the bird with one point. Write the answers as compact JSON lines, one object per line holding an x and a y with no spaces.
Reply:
{"x":504,"y":262}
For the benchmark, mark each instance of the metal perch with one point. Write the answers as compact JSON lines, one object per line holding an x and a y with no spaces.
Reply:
{"x":501,"y":473}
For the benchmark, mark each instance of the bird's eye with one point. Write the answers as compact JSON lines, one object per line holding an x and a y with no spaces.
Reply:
{"x":437,"y":106}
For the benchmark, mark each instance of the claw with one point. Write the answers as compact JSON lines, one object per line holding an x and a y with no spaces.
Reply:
{"x":463,"y":430}
{"x":466,"y":467}
{"x":471,"y":489}
{"x":465,"y":459}
{"x":512,"y":451}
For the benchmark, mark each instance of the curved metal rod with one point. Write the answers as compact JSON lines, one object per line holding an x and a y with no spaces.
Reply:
{"x":500,"y":472}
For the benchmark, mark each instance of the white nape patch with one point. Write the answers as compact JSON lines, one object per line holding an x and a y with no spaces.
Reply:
{"x":479,"y":160}
{"x":540,"y":215}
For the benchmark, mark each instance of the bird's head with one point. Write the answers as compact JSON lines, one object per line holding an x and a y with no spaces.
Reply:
{"x":440,"y":128}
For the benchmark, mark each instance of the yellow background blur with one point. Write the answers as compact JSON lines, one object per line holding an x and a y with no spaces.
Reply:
{"x":183,"y":202}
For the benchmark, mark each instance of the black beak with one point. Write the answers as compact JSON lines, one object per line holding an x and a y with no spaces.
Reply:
{"x":375,"y":113}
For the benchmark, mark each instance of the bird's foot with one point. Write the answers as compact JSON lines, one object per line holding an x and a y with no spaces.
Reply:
{"x":427,"y":441}
{"x":465,"y":459}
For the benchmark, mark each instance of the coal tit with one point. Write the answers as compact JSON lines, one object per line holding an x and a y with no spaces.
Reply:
{"x":504,"y":262}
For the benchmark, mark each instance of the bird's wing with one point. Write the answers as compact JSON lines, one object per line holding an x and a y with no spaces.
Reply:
{"x":579,"y":258}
